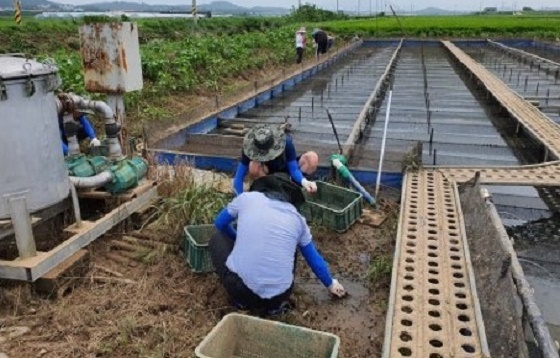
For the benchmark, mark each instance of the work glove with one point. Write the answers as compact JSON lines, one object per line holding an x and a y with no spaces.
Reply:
{"x":336,"y":289}
{"x":95,"y":142}
{"x":310,"y":186}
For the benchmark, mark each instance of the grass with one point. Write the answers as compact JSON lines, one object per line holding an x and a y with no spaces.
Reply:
{"x":185,"y":201}
{"x":544,"y":26}
{"x":180,"y":63}
{"x":380,"y":269}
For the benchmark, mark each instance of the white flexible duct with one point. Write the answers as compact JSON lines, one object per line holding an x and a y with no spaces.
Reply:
{"x":92,"y":182}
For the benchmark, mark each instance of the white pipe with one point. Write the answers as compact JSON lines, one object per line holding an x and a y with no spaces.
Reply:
{"x":379,"y":171}
{"x":21,"y":221}
{"x":76,"y":205}
{"x":92,"y":182}
{"x":99,"y":107}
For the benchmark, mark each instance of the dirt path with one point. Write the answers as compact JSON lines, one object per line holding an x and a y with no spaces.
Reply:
{"x":169,"y":310}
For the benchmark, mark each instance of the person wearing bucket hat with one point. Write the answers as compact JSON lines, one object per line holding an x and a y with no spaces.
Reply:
{"x":301,"y":41}
{"x":256,"y":263}
{"x":267,"y":149}
{"x":321,"y":40}
{"x":85,"y":129}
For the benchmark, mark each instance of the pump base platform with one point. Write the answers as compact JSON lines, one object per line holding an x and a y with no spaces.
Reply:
{"x":32,"y":269}
{"x":63,"y":277}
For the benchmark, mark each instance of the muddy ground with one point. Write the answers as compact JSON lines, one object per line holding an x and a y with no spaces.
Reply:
{"x":165,"y":310}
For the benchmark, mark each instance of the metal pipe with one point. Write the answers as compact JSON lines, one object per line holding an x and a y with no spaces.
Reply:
{"x":92,"y":182}
{"x":431,"y":140}
{"x":536,"y":320}
{"x":21,"y":221}
{"x":76,"y":205}
{"x":116,"y":103}
{"x":112,"y":128}
{"x":334,"y":130}
{"x":379,"y":171}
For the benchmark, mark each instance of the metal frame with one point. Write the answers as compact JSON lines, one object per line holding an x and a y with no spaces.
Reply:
{"x":33,"y":268}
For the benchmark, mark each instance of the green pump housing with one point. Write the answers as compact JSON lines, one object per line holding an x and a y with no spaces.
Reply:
{"x":83,"y":167}
{"x":127,"y":174}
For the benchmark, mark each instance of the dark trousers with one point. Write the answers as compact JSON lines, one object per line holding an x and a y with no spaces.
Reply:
{"x":221,"y":247}
{"x":80,"y":134}
{"x":322,"y":47}
{"x":299,"y":52}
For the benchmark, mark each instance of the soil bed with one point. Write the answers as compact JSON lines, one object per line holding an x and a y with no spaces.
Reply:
{"x":168,"y":310}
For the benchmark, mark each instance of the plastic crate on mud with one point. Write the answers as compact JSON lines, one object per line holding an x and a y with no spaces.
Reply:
{"x":244,"y":336}
{"x":195,"y":247}
{"x":335,"y":207}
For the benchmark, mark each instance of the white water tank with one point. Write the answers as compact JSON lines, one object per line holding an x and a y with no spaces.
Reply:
{"x":31,"y":159}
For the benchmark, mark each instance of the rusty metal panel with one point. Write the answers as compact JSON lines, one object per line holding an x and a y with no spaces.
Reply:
{"x":111,"y":57}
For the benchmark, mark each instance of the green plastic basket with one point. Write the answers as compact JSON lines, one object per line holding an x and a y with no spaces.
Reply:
{"x":196,"y":249}
{"x":332,"y":206}
{"x":243,"y":336}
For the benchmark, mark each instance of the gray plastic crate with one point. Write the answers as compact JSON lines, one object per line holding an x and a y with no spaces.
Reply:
{"x":243,"y":336}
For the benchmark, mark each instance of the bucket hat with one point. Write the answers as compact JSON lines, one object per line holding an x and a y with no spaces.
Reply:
{"x":301,"y":30}
{"x":264,"y":143}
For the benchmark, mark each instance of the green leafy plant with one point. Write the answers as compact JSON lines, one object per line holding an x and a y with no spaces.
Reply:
{"x":380,"y":270}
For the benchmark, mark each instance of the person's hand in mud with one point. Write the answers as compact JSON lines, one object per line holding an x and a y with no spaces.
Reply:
{"x":336,"y":289}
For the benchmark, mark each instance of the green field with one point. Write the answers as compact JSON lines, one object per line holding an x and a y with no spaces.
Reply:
{"x":179,"y":59}
{"x":546,"y":27}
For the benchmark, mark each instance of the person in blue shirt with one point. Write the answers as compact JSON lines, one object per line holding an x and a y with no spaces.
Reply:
{"x":268,"y":150}
{"x":85,"y":129}
{"x":256,"y":263}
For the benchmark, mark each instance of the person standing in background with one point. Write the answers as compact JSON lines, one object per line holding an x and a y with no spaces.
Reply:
{"x":300,"y":43}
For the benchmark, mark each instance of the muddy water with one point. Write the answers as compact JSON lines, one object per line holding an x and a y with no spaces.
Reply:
{"x":537,"y":243}
{"x":343,"y":88}
{"x":433,"y":102}
{"x":355,"y":318}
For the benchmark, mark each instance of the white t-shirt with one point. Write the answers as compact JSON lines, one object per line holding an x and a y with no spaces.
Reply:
{"x":299,"y":40}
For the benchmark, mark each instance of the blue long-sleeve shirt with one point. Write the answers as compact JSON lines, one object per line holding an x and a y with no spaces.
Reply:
{"x":287,"y":161}
{"x":268,"y":233}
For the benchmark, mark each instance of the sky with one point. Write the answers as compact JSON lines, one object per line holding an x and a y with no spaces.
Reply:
{"x":364,"y":5}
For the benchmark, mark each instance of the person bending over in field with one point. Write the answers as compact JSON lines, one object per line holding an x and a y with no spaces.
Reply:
{"x":256,"y":263}
{"x":268,"y":150}
{"x":321,"y":42}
